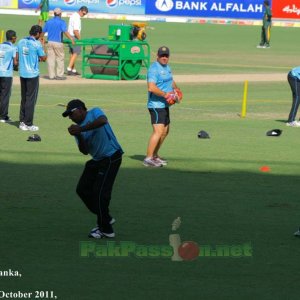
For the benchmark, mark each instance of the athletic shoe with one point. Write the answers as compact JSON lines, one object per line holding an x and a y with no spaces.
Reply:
{"x":293,"y":124}
{"x":23,"y":126}
{"x":150,"y":162}
{"x":260,"y":46}
{"x":33,"y":128}
{"x":160,"y":160}
{"x":112,"y":221}
{"x":70,"y":73}
{"x":7,"y":119}
{"x":60,"y":78}
{"x":97,"y":234}
{"x":75,"y":73}
{"x":297,"y":233}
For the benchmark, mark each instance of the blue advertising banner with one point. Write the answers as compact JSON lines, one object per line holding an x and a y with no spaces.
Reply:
{"x":234,"y":9}
{"x":130,"y":7}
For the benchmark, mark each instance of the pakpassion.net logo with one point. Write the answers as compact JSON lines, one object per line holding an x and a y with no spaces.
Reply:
{"x":176,"y":251}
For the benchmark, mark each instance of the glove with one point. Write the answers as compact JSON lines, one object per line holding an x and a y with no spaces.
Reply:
{"x":179,"y":95}
{"x":171,"y":98}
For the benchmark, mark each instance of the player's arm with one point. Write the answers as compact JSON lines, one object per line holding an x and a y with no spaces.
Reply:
{"x":43,"y":58}
{"x":174,"y":85}
{"x":152,"y":88}
{"x":76,"y":34}
{"x":99,"y":122}
{"x":82,"y":145}
{"x":68,"y":35}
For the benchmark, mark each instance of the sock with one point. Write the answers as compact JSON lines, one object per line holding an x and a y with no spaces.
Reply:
{"x":69,"y":69}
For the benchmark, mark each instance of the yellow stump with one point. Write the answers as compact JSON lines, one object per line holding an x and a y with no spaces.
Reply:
{"x":1,"y":36}
{"x":244,"y":103}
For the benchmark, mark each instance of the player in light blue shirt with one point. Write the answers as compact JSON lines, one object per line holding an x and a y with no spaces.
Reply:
{"x":8,"y":59}
{"x":294,"y":82}
{"x":160,"y":83}
{"x":95,"y":136}
{"x":30,"y":52}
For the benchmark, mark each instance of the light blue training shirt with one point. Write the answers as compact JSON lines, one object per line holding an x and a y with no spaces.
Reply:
{"x":7,"y":54}
{"x":29,"y":50}
{"x":296,"y":72}
{"x":101,"y":141}
{"x":162,"y":76}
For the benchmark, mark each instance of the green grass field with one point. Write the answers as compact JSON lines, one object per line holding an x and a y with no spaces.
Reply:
{"x":214,"y":185}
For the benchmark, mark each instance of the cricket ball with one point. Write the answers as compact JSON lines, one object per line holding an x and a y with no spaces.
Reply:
{"x":188,"y":250}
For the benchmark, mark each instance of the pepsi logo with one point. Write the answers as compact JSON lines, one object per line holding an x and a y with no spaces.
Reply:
{"x":27,"y":2}
{"x":111,"y":3}
{"x":69,"y":2}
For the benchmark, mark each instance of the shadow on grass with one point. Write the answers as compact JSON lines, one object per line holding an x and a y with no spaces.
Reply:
{"x":43,"y":221}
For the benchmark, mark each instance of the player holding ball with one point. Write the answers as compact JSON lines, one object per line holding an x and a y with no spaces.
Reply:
{"x":162,"y":93}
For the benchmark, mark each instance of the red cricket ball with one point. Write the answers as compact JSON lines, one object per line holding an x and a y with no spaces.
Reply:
{"x":188,"y":250}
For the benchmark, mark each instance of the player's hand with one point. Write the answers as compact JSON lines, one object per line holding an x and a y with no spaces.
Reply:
{"x":74,"y":129}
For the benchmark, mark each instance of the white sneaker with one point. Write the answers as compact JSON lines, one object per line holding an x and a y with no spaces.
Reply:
{"x":33,"y":128}
{"x":97,"y":234}
{"x":6,"y":120}
{"x":23,"y":126}
{"x":160,"y":160}
{"x":293,"y":124}
{"x":150,"y":162}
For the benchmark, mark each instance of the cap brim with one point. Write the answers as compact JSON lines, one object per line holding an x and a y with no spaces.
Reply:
{"x":66,"y":113}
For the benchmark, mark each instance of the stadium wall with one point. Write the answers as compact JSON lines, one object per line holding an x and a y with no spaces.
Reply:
{"x":240,"y":12}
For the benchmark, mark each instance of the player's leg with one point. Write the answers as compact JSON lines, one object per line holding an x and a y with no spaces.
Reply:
{"x":102,"y":191}
{"x":295,"y":88}
{"x":60,"y":59}
{"x":51,"y":60}
{"x":23,"y":82}
{"x":262,"y":36}
{"x":71,"y":69}
{"x":85,"y":184}
{"x":165,"y":119}
{"x":5,"y":92}
{"x":268,"y":34}
{"x":31,"y":98}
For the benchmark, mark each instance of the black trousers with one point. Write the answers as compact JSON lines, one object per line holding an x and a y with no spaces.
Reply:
{"x":265,"y":34}
{"x":29,"y":94}
{"x":295,"y":87}
{"x":5,"y":92}
{"x":95,"y":187}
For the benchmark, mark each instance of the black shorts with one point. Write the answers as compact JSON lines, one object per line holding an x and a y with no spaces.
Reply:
{"x":160,"y":115}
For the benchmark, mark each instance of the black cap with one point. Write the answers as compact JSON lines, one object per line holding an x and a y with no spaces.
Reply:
{"x":274,"y":132}
{"x":72,"y":105}
{"x":203,"y":135}
{"x":163,"y":51}
{"x":34,"y":138}
{"x":266,"y":2}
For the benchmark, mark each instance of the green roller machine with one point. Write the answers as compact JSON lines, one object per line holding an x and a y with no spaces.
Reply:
{"x":124,"y":55}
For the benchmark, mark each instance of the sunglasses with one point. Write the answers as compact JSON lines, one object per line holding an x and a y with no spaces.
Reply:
{"x":164,"y":55}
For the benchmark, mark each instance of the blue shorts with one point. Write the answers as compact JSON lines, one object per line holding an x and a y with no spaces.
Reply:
{"x":160,"y":115}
